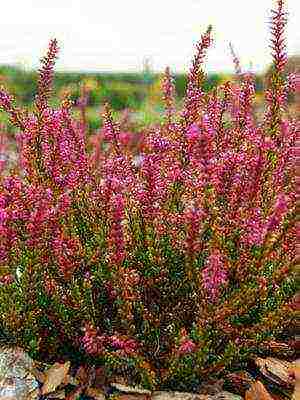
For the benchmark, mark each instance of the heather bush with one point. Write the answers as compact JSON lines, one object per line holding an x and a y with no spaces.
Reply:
{"x":168,"y":259}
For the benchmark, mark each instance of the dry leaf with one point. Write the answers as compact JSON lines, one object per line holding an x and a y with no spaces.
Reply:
{"x":295,"y":373}
{"x":258,"y":392}
{"x":95,"y":393}
{"x":55,"y":376}
{"x":277,"y":371}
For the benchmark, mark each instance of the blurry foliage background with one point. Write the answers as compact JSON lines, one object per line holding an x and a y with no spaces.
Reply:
{"x":136,"y":91}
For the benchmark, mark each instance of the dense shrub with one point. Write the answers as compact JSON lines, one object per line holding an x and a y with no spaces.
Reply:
{"x":166,"y":261}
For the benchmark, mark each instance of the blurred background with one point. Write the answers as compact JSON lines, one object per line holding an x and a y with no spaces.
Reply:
{"x":118,"y":49}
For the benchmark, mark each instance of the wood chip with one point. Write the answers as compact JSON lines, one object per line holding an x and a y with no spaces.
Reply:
{"x":55,"y":376}
{"x":165,"y":395}
{"x":258,"y":392}
{"x":130,"y":389}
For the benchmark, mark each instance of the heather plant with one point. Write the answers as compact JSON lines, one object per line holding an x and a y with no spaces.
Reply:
{"x":168,"y":261}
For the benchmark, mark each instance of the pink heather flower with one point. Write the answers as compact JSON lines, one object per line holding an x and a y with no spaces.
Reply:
{"x":278,"y":23}
{"x":87,"y":276}
{"x":71,"y":180}
{"x":194,"y":218}
{"x":66,"y":252}
{"x":276,"y":93}
{"x":159,"y":144}
{"x":130,"y":346}
{"x":3,"y":216}
{"x":175,"y":173}
{"x":64,"y":203}
{"x":292,"y":85}
{"x":93,"y":343}
{"x":46,"y":73}
{"x":127,"y":346}
{"x":280,"y":210}
{"x":254,"y":228}
{"x":294,"y":82}
{"x":116,"y":236}
{"x":124,"y":138}
{"x":187,"y":346}
{"x":2,"y":200}
{"x":118,"y":173}
{"x":281,"y":204}
{"x":194,"y":94}
{"x":117,"y":342}
{"x":6,"y":279}
{"x":111,"y":130}
{"x":214,"y":275}
{"x":193,"y":133}
{"x":152,"y":190}
{"x":5,"y":100}
{"x":12,"y":183}
{"x":215,"y":154}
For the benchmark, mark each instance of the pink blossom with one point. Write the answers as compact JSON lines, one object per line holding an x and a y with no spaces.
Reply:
{"x":6,"y":279}
{"x":279,"y":211}
{"x":194,"y":217}
{"x":125,"y":138}
{"x":254,"y":227}
{"x":193,"y":133}
{"x":214,"y":275}
{"x":187,"y":346}
{"x":93,"y":343}
{"x":116,"y":237}
{"x":127,"y":346}
{"x":3,"y":216}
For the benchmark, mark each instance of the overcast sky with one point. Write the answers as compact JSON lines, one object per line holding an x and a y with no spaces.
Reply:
{"x":117,"y":35}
